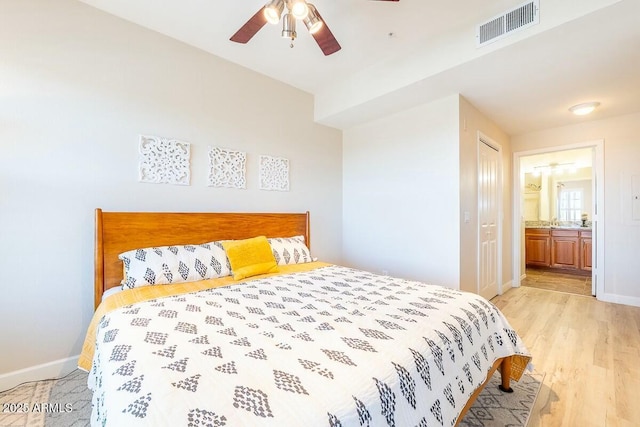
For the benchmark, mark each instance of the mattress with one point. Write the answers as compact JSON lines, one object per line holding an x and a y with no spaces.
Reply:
{"x":328,"y":346}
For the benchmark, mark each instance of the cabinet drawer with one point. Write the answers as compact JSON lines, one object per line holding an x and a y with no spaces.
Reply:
{"x":565,"y":233}
{"x":536,"y":231}
{"x":585,"y":234}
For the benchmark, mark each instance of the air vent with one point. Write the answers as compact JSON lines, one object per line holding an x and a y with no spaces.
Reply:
{"x":518,"y":18}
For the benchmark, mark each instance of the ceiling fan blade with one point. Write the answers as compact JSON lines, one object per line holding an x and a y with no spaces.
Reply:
{"x":250,"y":28}
{"x":325,"y":38}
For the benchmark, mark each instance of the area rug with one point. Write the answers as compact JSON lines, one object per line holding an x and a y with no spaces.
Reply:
{"x":495,"y":408}
{"x":18,"y":407}
{"x":66,"y":402}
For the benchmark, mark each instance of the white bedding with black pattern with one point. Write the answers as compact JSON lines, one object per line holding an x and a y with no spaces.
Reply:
{"x":329,"y":347}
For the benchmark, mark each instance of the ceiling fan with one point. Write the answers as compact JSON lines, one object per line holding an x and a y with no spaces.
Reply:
{"x":296,"y":10}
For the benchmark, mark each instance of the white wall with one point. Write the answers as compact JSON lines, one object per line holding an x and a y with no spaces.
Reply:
{"x":621,"y":154}
{"x":77,"y":87}
{"x":473,"y":121}
{"x":408,"y":179}
{"x":401,"y":194}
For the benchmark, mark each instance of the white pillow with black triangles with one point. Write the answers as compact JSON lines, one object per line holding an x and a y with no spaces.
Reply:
{"x":290,"y":250}
{"x":174,"y":264}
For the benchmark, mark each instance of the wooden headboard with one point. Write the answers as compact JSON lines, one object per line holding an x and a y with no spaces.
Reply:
{"x":118,"y":232}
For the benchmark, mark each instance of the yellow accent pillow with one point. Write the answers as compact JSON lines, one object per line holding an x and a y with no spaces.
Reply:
{"x":250,"y":257}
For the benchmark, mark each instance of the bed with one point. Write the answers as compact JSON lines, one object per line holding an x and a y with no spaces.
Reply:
{"x":313,"y":343}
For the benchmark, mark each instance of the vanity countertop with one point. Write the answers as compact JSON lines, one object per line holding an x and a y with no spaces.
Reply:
{"x":560,"y":227}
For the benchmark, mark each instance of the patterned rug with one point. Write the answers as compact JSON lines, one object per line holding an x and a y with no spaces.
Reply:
{"x":494,"y":408}
{"x":66,"y":402}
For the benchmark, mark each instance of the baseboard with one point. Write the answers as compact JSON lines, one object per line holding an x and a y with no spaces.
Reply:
{"x":507,"y":286}
{"x":619,"y":299}
{"x":55,"y":369}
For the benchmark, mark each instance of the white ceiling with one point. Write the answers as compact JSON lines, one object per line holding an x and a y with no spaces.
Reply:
{"x":399,"y":54}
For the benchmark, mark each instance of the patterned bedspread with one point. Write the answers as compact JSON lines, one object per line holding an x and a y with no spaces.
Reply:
{"x":329,"y":347}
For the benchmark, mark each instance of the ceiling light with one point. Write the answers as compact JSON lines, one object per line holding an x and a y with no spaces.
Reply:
{"x":289,"y":26}
{"x":313,"y":21}
{"x":273,"y":11}
{"x":583,"y":109}
{"x":299,"y":9}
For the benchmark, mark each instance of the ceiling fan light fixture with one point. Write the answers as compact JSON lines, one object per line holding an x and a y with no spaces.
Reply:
{"x":313,"y":21}
{"x":273,"y":11}
{"x":299,"y":9}
{"x":289,"y":26}
{"x":584,"y":109}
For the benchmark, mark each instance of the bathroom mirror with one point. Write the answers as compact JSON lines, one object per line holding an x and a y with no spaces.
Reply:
{"x":557,"y":186}
{"x":563,"y":195}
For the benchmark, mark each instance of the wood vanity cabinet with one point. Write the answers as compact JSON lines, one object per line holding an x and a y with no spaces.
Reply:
{"x":537,"y":247}
{"x":567,"y":249}
{"x":585,"y":250}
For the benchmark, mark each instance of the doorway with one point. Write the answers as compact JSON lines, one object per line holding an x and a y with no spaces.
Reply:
{"x":558,"y":213}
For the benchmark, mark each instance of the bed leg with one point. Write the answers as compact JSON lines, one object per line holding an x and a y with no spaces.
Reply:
{"x":505,"y":373}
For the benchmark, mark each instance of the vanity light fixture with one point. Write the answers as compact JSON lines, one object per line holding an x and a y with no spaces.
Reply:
{"x":584,"y":109}
{"x":554,"y":168}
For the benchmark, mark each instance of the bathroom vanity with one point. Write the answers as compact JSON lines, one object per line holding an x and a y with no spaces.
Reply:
{"x":566,"y":248}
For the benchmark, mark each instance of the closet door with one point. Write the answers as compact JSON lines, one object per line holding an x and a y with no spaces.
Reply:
{"x":488,"y":212}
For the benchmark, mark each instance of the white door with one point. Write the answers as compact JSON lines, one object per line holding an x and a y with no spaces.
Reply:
{"x":488,"y":211}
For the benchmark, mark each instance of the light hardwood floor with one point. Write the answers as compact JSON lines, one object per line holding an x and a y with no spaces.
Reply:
{"x":557,"y":280}
{"x":589,"y":351}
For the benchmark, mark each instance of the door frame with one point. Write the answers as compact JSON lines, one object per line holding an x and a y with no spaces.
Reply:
{"x":597,"y":255}
{"x":484,"y":139}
